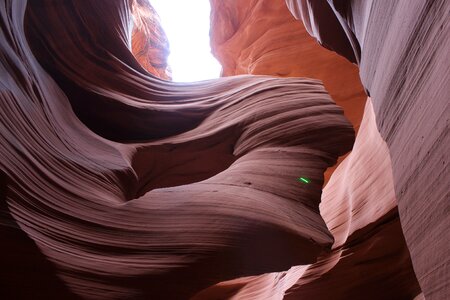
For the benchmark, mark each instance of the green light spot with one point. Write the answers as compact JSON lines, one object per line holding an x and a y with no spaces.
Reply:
{"x":304,"y":180}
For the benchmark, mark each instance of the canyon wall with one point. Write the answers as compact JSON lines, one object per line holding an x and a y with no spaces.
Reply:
{"x":402,"y":49}
{"x":149,"y":43}
{"x":261,"y":37}
{"x":369,"y":251}
{"x":358,"y":204}
{"x":117,"y":184}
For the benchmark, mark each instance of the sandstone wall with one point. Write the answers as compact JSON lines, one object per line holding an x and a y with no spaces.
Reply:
{"x":358,"y":204}
{"x":116,"y":184}
{"x":402,"y":50}
{"x":122,"y":185}
{"x":149,"y":43}
{"x":261,"y":37}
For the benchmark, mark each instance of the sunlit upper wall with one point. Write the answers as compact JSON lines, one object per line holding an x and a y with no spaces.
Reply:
{"x":186,"y":24}
{"x":149,"y":43}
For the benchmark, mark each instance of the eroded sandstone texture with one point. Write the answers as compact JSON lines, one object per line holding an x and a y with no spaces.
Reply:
{"x":116,"y":184}
{"x":261,"y":37}
{"x":149,"y":43}
{"x":358,"y":204}
{"x":402,"y":48}
{"x":369,"y":251}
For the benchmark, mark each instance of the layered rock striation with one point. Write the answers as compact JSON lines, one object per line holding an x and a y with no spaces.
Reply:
{"x":261,"y":37}
{"x":119,"y":184}
{"x":149,"y":43}
{"x":115,"y":183}
{"x":358,"y":204}
{"x":402,"y":50}
{"x":369,"y":250}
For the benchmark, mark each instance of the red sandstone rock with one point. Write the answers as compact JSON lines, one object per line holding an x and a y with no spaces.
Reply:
{"x":404,"y":64}
{"x":133,"y":187}
{"x":359,"y":207}
{"x":149,"y":43}
{"x":359,"y":204}
{"x":164,"y":196}
{"x":261,"y":37}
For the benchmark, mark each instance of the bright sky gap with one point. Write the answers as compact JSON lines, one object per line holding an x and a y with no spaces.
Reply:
{"x":186,"y":24}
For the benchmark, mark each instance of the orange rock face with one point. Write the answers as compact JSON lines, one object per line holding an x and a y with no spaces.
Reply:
{"x":115,"y":184}
{"x":402,"y":50}
{"x":261,"y":37}
{"x":369,"y":251}
{"x":120,"y":185}
{"x":358,"y":204}
{"x":149,"y":43}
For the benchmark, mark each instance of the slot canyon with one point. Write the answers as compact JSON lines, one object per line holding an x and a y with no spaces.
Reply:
{"x":314,"y":168}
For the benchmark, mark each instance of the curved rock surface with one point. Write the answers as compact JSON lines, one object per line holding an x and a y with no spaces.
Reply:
{"x":360,"y":209}
{"x":369,"y":251}
{"x":358,"y":204}
{"x":403,"y":49}
{"x":261,"y":37}
{"x":149,"y":43}
{"x":117,"y":184}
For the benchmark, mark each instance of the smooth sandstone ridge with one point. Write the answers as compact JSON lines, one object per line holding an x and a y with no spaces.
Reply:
{"x":358,"y":204}
{"x":402,"y":49}
{"x":369,"y":251}
{"x":261,"y":37}
{"x":117,"y":184}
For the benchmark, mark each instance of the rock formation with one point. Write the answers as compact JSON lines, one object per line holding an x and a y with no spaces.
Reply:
{"x":261,"y":37}
{"x":358,"y":204}
{"x":149,"y":43}
{"x":115,"y":183}
{"x":369,"y":251}
{"x":402,"y":49}
{"x":345,"y":27}
{"x":120,"y":184}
